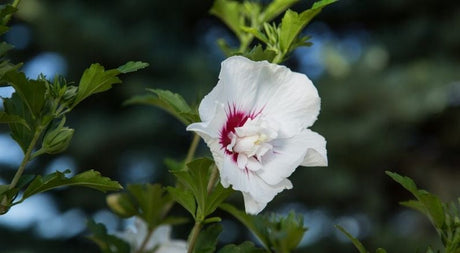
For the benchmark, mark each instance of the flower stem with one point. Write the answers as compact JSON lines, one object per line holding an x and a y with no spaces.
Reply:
{"x":192,"y":149}
{"x":213,"y":179}
{"x":193,"y":236}
{"x":145,"y":241}
{"x":198,"y":223}
{"x":26,"y":158}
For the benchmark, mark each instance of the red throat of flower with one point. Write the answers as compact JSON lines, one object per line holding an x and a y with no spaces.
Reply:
{"x":235,"y":118}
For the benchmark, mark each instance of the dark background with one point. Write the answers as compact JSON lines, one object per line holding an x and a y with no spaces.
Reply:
{"x":388,"y":73}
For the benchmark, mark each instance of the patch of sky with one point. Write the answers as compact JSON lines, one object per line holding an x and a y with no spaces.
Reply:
{"x":62,"y":164}
{"x":46,"y":63}
{"x":109,"y":219}
{"x":10,"y":152}
{"x":5,"y":92}
{"x":137,"y":167}
{"x":24,"y":215}
{"x":64,"y":225}
{"x":19,"y":36}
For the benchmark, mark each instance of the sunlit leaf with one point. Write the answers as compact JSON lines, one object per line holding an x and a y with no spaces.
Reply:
{"x":275,"y":8}
{"x":229,"y":12}
{"x":132,"y":66}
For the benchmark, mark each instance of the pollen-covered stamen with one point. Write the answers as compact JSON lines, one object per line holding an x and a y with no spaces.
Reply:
{"x":250,"y":142}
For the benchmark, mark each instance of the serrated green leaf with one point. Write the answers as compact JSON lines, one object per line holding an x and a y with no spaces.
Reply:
{"x":21,"y":134}
{"x":259,"y":54}
{"x":359,"y":246}
{"x":252,"y":222}
{"x":184,"y":198}
{"x":107,"y":243}
{"x":293,"y":23}
{"x":245,"y":247}
{"x":95,"y":79}
{"x":132,"y":66}
{"x":229,"y":12}
{"x":7,"y":118}
{"x":207,"y":239}
{"x":91,"y":179}
{"x":32,"y":92}
{"x":172,"y":103}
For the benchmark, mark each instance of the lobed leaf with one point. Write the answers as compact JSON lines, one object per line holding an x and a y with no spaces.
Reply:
{"x":9,"y":119}
{"x":172,"y":103}
{"x":184,"y":198}
{"x":275,"y":8}
{"x":91,"y":179}
{"x":229,"y":12}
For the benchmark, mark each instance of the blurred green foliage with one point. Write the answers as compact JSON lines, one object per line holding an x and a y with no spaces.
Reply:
{"x":395,"y":107}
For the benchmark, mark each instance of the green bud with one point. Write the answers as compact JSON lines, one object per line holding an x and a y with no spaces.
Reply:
{"x":57,"y":140}
{"x":121,"y":204}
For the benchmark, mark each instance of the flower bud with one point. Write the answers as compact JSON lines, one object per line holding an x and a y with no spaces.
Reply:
{"x":57,"y":140}
{"x":120,"y":204}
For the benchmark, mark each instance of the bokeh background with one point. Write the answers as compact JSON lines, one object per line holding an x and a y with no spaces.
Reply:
{"x":388,"y":73}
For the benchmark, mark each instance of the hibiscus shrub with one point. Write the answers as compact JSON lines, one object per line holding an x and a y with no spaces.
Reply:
{"x":255,"y":122}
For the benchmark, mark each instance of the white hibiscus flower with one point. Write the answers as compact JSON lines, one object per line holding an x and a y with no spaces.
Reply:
{"x":159,"y":240}
{"x":255,"y":121}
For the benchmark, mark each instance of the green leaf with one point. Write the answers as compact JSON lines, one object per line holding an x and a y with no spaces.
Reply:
{"x":96,"y":79}
{"x":275,"y":8}
{"x":21,"y":134}
{"x":90,"y":178}
{"x":122,"y":204}
{"x":259,"y":54}
{"x":184,"y":198}
{"x":107,"y":243}
{"x":245,"y":247}
{"x":172,"y":103}
{"x":293,"y":23}
{"x":285,"y":233}
{"x":152,"y":202}
{"x":430,"y":205}
{"x":380,"y":250}
{"x":7,"y":118}
{"x":359,"y":246}
{"x":4,"y":48}
{"x":216,"y":197}
{"x":32,"y":92}
{"x":132,"y":66}
{"x":254,"y":223}
{"x":229,"y":12}
{"x":207,"y":239}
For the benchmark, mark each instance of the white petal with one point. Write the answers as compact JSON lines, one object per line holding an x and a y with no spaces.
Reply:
{"x":253,"y":202}
{"x":253,"y":164}
{"x":241,"y":160}
{"x":174,"y":246}
{"x":257,"y":191}
{"x":316,"y":154}
{"x":287,"y":155}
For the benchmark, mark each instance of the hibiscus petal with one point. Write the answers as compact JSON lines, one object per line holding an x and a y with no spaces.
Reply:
{"x":316,"y":153}
{"x":288,"y":97}
{"x":289,"y":153}
{"x":254,"y":203}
